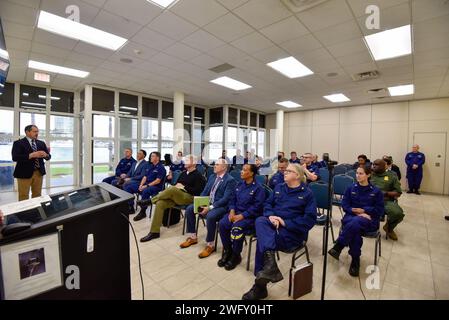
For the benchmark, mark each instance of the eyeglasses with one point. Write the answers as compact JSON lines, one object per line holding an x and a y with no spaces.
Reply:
{"x":289,"y":171}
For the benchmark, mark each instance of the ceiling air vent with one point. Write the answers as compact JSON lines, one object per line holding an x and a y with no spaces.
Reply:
{"x":222,"y":68}
{"x":382,"y":91}
{"x":301,"y":5}
{"x":369,"y":75}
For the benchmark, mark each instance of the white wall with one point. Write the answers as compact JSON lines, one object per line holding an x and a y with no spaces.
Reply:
{"x":373,"y":130}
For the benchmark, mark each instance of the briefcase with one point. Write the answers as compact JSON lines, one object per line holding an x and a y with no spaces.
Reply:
{"x":302,"y":277}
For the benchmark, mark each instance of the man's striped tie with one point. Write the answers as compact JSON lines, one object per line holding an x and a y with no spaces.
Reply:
{"x":36,"y":160}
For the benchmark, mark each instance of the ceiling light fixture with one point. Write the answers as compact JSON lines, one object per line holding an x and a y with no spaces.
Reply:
{"x":4,"y":54}
{"x":290,"y":67}
{"x":78,"y":31}
{"x":57,"y":69}
{"x":336,"y":98}
{"x":41,"y":96}
{"x":163,"y":3}
{"x":289,"y":104}
{"x":390,"y":44}
{"x":402,"y":90}
{"x":231,"y":83}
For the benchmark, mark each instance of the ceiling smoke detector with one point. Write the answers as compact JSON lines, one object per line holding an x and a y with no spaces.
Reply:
{"x":301,"y":5}
{"x":369,"y":75}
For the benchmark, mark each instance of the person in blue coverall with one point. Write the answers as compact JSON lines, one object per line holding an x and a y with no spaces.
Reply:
{"x":414,"y":161}
{"x":278,"y":177}
{"x":220,"y":188}
{"x":288,"y":215}
{"x":135,"y":175}
{"x":294,"y":157}
{"x":311,"y":170}
{"x":245,"y":206}
{"x":152,"y":183}
{"x":363,"y":205}
{"x":122,"y":168}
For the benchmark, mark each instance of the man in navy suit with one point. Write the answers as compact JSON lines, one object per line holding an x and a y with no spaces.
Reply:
{"x":220,"y":188}
{"x":29,"y":153}
{"x":138,"y":170}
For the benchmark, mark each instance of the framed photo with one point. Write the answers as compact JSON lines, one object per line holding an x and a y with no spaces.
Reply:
{"x":30,"y":267}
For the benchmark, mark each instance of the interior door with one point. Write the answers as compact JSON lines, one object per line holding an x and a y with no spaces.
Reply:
{"x":433,"y":145}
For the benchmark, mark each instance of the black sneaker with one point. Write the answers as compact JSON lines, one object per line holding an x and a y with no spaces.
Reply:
{"x":446,"y":217}
{"x":354,"y":269}
{"x":335,"y":251}
{"x":321,"y":220}
{"x":140,"y":216}
{"x":410,"y":191}
{"x":417,"y":192}
{"x":257,"y":292}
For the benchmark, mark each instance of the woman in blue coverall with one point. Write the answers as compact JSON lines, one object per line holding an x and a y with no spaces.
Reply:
{"x":245,"y":206}
{"x":363,"y":205}
{"x":288,"y":215}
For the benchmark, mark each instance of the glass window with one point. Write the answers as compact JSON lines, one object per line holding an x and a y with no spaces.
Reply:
{"x":232,"y":116}
{"x":150,"y":146}
{"x":261,"y":144}
{"x":187,"y":148}
{"x":102,"y":171}
{"x":187,"y":114}
{"x":216,"y":134}
{"x":129,"y":144}
{"x":216,"y":116}
{"x":128,"y":104}
{"x":243,"y":140}
{"x":198,"y":149}
{"x":61,"y":101}
{"x":166,"y":147}
{"x":32,"y":97}
{"x":216,"y":144}
{"x":82,"y":99}
{"x":167,"y":110}
{"x":166,"y":130}
{"x":128,"y":128}
{"x":61,"y":150}
{"x":150,"y":129}
{"x":253,"y":119}
{"x":261,"y":121}
{"x":231,"y":148}
{"x":243,"y":118}
{"x":61,"y":127}
{"x":103,"y":126}
{"x":187,"y":132}
{"x":253,"y":141}
{"x":102,"y":100}
{"x":198,"y":133}
{"x":6,"y":135}
{"x":103,"y":151}
{"x":215,"y":151}
{"x":32,"y":118}
{"x":61,"y":175}
{"x":150,"y":108}
{"x":6,"y":176}
{"x":200,"y":117}
{"x":7,"y":95}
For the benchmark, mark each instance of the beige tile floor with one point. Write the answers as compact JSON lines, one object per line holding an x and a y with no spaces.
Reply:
{"x":414,"y":267}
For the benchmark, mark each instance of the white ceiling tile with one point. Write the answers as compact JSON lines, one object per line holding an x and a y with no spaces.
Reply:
{"x":339,"y":33}
{"x":359,"y":6}
{"x":50,"y":51}
{"x":16,"y":74}
{"x":96,"y":3}
{"x":138,"y":50}
{"x":431,"y":34}
{"x":284,"y":30}
{"x":425,"y":9}
{"x":252,"y":43}
{"x":115,"y":24}
{"x":301,"y":45}
{"x":83,"y":58}
{"x":206,"y":61}
{"x":262,"y":13}
{"x":94,"y":51}
{"x":232,"y":4}
{"x":429,"y":70}
{"x":347,"y":47}
{"x":141,"y":12}
{"x":18,"y":57}
{"x":172,"y":26}
{"x":199,"y":12}
{"x":17,"y":43}
{"x":46,"y":59}
{"x":357,"y":58}
{"x":58,"y":7}
{"x":203,"y":41}
{"x":271,"y":54}
{"x":150,"y":67}
{"x":166,"y":60}
{"x":12,"y":29}
{"x":152,"y":39}
{"x":54,"y":40}
{"x":228,"y":28}
{"x":361,"y":67}
{"x":27,"y":3}
{"x":182,"y":51}
{"x":325,"y":15}
{"x":18,"y":13}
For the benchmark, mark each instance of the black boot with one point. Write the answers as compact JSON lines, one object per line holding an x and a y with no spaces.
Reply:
{"x":336,"y":250}
{"x":141,"y":215}
{"x":225,"y":256}
{"x":145,"y":202}
{"x":355,"y":267}
{"x":270,"y":271}
{"x":131,"y":210}
{"x":257,"y":292}
{"x":233,"y":262}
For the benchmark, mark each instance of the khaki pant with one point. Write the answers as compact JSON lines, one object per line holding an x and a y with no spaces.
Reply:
{"x":35,"y":183}
{"x":168,"y":199}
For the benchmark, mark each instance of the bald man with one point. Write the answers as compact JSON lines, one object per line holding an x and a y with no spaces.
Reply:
{"x":414,"y":161}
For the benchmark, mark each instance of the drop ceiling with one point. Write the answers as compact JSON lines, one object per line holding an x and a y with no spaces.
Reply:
{"x":174,"y":49}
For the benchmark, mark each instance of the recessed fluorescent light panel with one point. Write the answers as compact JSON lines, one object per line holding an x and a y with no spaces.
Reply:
{"x":289,"y":104}
{"x":402,"y":90}
{"x":57,"y":69}
{"x":78,"y":31}
{"x":290,"y":67}
{"x":231,"y":83}
{"x":391,"y":43}
{"x":163,"y":3}
{"x":4,"y":54}
{"x":338,"y":97}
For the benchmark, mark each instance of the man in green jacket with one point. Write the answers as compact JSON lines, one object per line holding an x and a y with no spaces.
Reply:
{"x":388,"y":183}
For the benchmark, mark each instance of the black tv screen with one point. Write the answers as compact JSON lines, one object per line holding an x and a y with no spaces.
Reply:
{"x":4,"y":59}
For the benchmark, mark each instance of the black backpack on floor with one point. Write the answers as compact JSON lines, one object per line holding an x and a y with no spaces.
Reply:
{"x":175,"y":217}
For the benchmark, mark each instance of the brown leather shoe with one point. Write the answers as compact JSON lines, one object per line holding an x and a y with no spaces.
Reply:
{"x":207,"y":251}
{"x":392,"y":235}
{"x":189,"y":242}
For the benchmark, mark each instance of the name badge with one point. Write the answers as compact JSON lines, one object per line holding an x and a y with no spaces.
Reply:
{"x":301,"y":198}
{"x":386,"y":178}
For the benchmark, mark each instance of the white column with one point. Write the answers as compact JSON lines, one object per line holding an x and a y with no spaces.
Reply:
{"x":87,"y":136}
{"x":178,"y":122}
{"x":279,"y":131}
